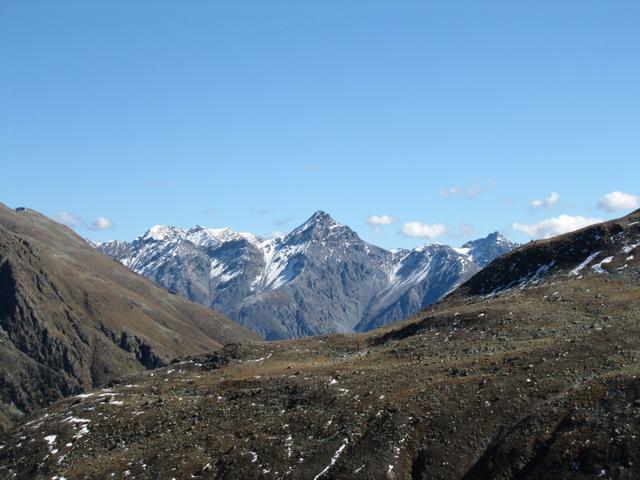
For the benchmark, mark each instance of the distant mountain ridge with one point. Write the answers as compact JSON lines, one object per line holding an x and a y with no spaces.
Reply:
{"x":320,"y":278}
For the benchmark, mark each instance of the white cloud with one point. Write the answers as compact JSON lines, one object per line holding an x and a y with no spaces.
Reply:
{"x":423,"y":230}
{"x":378,"y":220}
{"x":475,"y":190}
{"x":470,"y":191}
{"x":101,"y":223}
{"x":554,"y":226}
{"x":446,"y":192}
{"x":548,"y":202}
{"x":276,"y":234}
{"x":616,"y":201}
{"x":69,"y":219}
{"x":75,"y":221}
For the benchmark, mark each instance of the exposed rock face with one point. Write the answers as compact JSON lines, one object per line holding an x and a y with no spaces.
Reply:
{"x":320,"y":278}
{"x":419,"y":278}
{"x":72,"y":319}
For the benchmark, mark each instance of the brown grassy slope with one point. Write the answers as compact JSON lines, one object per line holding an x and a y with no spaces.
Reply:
{"x":72,"y":319}
{"x":539,"y":382}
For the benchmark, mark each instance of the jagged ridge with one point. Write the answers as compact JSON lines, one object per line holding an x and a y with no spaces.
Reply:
{"x":320,"y":278}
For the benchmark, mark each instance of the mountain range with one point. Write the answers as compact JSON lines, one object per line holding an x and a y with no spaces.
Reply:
{"x":320,"y":278}
{"x":529,"y":370}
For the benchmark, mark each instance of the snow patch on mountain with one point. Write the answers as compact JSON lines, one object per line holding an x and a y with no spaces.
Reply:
{"x":280,"y":266}
{"x":319,"y":278}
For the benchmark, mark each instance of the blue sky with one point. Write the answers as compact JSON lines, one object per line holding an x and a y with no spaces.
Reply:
{"x":448,"y":117}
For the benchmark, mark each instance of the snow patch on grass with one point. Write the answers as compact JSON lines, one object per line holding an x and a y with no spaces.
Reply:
{"x":579,"y":268}
{"x":598,"y":267}
{"x":51,"y":441}
{"x":334,"y":459}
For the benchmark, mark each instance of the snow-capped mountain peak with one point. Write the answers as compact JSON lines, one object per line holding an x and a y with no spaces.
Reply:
{"x":321,"y":217}
{"x":484,"y":250}
{"x":318,"y":279}
{"x":321,"y":227}
{"x":161,"y":233}
{"x":429,"y":247}
{"x":319,"y":220}
{"x":207,"y":237}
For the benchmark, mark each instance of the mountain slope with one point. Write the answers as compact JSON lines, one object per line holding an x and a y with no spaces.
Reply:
{"x":532,"y":383}
{"x":420,"y":277}
{"x":71,"y":318}
{"x":603,"y":248}
{"x":320,"y":278}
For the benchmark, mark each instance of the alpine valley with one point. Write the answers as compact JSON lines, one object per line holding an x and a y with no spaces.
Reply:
{"x":320,"y":278}
{"x":529,"y":370}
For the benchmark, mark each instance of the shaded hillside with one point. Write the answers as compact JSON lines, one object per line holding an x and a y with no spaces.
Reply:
{"x":71,"y":318}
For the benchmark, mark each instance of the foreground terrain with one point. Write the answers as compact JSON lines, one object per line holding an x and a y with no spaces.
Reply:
{"x":529,"y":370}
{"x":72,"y":319}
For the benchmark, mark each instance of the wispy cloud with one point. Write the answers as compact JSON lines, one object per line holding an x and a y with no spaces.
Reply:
{"x":470,"y":191}
{"x":281,"y":222}
{"x":554,"y":226}
{"x":376,"y":222}
{"x":209,"y":211}
{"x":547,"y":202}
{"x":475,"y":190}
{"x":100,"y":224}
{"x":69,"y":219}
{"x":423,"y":230}
{"x":76,"y":221}
{"x":446,"y":192}
{"x":617,"y":201}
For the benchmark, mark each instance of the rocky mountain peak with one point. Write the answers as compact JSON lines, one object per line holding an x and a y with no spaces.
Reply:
{"x":483,"y":250}
{"x":207,"y":237}
{"x":320,"y":278}
{"x":162,"y":233}
{"x":320,"y":219}
{"x":493,"y":237}
{"x":321,"y":227}
{"x":431,"y":247}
